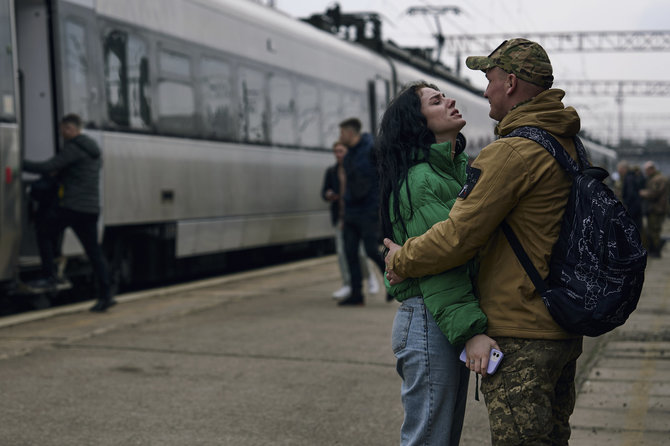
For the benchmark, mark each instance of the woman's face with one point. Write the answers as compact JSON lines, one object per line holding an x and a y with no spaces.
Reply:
{"x":339,"y":150}
{"x":441,"y":114}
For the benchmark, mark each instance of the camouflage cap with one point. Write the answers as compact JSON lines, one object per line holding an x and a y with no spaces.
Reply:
{"x":526,"y":59}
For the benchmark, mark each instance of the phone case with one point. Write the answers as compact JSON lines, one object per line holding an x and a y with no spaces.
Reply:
{"x":494,"y":360}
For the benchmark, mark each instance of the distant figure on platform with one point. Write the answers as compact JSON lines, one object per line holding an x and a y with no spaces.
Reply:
{"x":77,"y":167}
{"x":333,"y":192}
{"x":630,"y":185}
{"x":656,"y":195}
{"x":361,"y":205}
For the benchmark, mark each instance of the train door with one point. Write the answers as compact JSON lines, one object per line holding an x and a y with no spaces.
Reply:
{"x":10,"y":184}
{"x":39,"y":136}
{"x":378,"y":97}
{"x":33,"y":31}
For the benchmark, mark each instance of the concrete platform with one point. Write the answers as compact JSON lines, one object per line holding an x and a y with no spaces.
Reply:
{"x":267,"y":358}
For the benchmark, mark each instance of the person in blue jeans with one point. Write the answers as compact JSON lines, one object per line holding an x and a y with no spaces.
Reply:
{"x":422,"y":170}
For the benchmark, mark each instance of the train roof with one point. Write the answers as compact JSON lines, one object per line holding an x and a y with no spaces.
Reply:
{"x":271,"y":35}
{"x":247,"y":29}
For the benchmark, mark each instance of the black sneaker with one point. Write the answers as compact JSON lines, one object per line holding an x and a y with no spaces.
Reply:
{"x":102,"y":305}
{"x":352,"y":301}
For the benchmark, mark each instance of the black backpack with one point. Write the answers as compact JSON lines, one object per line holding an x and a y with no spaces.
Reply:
{"x":597,"y":265}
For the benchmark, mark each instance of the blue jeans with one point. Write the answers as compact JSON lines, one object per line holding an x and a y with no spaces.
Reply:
{"x":434,"y":380}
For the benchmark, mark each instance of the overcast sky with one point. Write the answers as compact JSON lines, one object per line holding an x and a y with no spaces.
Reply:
{"x":644,"y":117}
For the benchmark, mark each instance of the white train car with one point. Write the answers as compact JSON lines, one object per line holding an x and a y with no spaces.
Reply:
{"x":215,"y":119}
{"x":601,"y":156}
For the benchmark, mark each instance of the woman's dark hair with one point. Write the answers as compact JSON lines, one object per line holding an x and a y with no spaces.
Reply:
{"x":403,"y":136}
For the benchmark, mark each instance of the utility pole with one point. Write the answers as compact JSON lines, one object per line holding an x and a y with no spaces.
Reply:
{"x":619,"y":101}
{"x":436,"y":12}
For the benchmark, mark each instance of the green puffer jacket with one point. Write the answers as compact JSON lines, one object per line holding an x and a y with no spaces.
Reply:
{"x":449,"y":296}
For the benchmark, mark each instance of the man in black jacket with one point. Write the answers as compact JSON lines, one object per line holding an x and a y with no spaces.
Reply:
{"x":333,"y":192}
{"x":361,"y":204}
{"x":77,"y":167}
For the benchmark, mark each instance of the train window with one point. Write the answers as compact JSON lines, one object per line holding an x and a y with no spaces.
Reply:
{"x":338,"y":105}
{"x":175,"y":64}
{"x":332,"y":115}
{"x":176,"y":102}
{"x":115,"y":77}
{"x":76,"y":66}
{"x":353,"y":105}
{"x":308,"y":115}
{"x":217,"y":92}
{"x":176,"y":96}
{"x":127,"y":80}
{"x":253,"y":125}
{"x":282,"y":113}
{"x":7,"y":108}
{"x":138,"y":83}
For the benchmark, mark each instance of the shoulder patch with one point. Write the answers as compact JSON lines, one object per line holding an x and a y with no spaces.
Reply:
{"x":473,"y":177}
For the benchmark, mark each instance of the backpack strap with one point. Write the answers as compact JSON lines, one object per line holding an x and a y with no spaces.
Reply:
{"x":525,"y":261}
{"x":547,"y":140}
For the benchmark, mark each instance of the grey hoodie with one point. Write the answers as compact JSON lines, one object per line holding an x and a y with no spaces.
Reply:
{"x":77,"y":166}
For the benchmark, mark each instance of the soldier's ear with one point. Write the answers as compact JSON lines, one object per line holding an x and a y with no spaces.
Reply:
{"x":510,"y":83}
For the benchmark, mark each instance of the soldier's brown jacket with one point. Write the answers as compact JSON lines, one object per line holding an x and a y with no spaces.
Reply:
{"x":518,"y":181}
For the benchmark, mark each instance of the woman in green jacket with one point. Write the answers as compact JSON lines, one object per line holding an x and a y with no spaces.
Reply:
{"x":422,"y":170}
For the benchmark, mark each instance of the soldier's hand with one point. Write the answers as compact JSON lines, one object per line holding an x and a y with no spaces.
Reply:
{"x":390,"y":274}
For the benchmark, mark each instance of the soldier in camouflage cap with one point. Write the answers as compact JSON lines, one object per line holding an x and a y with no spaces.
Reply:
{"x":526,"y":59}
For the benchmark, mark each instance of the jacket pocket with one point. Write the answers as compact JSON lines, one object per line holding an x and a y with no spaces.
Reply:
{"x":400,"y":331}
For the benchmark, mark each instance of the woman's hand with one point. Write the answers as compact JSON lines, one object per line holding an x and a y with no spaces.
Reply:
{"x":477,"y":353}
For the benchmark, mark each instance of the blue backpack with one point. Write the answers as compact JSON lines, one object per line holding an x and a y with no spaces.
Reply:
{"x":596,"y":270}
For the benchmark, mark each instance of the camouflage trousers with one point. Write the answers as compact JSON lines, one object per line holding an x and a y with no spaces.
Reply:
{"x":653,"y":232}
{"x":532,"y":395}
